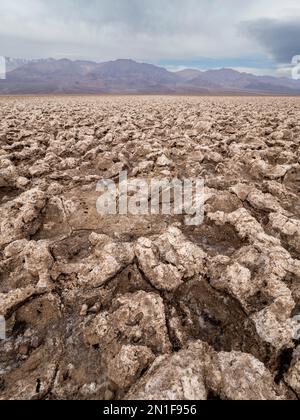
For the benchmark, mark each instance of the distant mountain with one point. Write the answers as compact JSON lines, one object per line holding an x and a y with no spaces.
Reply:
{"x":66,"y":76}
{"x":127,"y":76}
{"x":15,"y":63}
{"x":188,"y":74}
{"x":234,"y":81}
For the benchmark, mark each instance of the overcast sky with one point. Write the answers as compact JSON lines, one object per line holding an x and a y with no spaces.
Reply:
{"x":260,"y":36}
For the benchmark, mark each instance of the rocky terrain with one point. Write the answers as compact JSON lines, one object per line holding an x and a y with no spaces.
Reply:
{"x":146,"y":307}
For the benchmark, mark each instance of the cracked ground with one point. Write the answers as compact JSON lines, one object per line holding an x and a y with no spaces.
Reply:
{"x":146,"y":307}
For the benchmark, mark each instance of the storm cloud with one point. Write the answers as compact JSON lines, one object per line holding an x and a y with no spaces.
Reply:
{"x":281,"y":39}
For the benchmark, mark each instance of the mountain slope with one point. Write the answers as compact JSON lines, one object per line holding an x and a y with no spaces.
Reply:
{"x":65,"y":76}
{"x":188,"y":74}
{"x":128,"y":76}
{"x":231,"y":80}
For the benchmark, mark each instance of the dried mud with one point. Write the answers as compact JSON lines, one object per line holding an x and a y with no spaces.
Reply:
{"x":144,"y":307}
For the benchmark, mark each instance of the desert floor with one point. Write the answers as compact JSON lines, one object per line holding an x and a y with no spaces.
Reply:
{"x":146,"y":307}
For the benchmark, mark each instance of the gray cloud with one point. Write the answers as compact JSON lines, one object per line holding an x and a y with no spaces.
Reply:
{"x":281,"y":39}
{"x":145,"y":30}
{"x":142,"y":16}
{"x":104,"y":29}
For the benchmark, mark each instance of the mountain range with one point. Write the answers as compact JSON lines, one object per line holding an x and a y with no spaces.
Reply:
{"x":50,"y":76}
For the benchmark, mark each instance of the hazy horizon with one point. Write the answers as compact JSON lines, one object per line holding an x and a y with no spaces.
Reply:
{"x":171,"y":69}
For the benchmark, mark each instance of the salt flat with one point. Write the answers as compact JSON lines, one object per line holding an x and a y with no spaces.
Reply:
{"x":145,"y":306}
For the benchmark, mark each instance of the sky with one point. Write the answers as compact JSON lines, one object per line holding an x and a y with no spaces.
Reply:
{"x":258,"y":36}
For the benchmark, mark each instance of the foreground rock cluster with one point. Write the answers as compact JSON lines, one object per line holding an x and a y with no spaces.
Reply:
{"x":147,"y":307}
